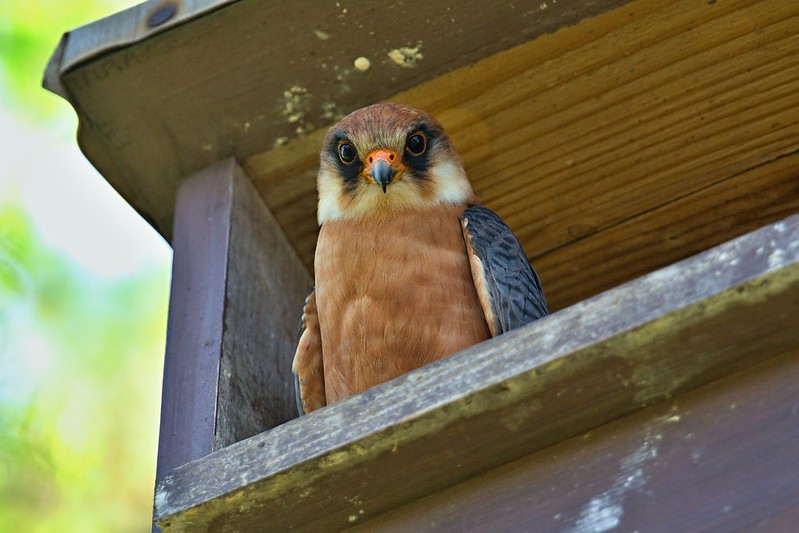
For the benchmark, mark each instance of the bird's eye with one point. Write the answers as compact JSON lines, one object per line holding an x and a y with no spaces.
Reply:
{"x":346,"y":152}
{"x":416,"y":144}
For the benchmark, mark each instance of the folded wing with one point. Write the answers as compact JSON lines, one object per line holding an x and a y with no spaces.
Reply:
{"x":507,"y":285}
{"x":308,"y":366}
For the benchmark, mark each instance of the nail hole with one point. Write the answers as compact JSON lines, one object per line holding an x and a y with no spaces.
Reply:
{"x":161,"y":15}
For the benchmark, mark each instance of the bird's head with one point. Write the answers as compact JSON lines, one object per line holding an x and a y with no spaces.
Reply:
{"x":388,"y":157}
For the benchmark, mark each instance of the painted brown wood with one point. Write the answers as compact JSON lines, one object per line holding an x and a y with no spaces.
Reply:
{"x":195,"y":322}
{"x":720,"y":458}
{"x":245,"y":76}
{"x":676,"y":329}
{"x":635,"y":126}
{"x":232,"y":326}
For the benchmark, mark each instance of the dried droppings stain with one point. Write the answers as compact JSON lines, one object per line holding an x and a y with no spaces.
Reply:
{"x":295,"y":104}
{"x":362,"y":63}
{"x":406,"y":56}
{"x":322,"y":35}
{"x":605,"y":511}
{"x":331,"y":112}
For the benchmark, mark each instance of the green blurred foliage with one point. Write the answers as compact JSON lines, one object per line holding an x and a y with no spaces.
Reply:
{"x":77,"y":438}
{"x":29,"y":33}
{"x":80,"y":357}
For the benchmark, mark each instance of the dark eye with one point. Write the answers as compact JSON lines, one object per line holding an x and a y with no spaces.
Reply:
{"x":416,"y":144}
{"x":346,"y":152}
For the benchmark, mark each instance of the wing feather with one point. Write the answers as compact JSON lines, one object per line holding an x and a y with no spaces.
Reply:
{"x":508,"y":287}
{"x":308,"y":366}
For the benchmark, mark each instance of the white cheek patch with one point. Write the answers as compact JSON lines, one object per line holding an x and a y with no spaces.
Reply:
{"x":329,"y":189}
{"x":451,"y":182}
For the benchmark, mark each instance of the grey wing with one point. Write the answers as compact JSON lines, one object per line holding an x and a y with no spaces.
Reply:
{"x":508,"y":287}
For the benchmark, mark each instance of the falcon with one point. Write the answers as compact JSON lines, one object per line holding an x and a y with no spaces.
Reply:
{"x":409,"y":267}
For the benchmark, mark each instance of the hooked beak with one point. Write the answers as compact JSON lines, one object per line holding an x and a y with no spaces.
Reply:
{"x":383,"y":167}
{"x":382,"y":173}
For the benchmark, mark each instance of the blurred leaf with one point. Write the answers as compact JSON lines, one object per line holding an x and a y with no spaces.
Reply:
{"x":80,"y":359}
{"x":78,"y":434}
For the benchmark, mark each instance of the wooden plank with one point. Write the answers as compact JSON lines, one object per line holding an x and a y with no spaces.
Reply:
{"x":266,"y":287}
{"x":668,"y":233}
{"x":195,"y":324}
{"x":720,"y":458}
{"x":236,"y":285}
{"x":666,"y":333}
{"x":611,"y":131}
{"x":245,"y":76}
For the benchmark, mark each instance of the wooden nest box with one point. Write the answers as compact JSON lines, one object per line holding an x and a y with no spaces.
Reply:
{"x":646,"y":154}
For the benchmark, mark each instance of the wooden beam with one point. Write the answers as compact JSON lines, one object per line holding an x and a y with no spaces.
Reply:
{"x":669,"y":332}
{"x":157,"y":105}
{"x":719,"y":458}
{"x":237,"y":288}
{"x":196,"y":319}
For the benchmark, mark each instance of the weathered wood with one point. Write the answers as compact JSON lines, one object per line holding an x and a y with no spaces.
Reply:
{"x":236,"y":285}
{"x":610,"y":132}
{"x":666,"y":333}
{"x":157,"y":105}
{"x":720,"y":458}
{"x":266,"y":286}
{"x":124,"y":29}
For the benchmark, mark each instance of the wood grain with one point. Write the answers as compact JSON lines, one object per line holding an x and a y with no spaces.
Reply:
{"x":232,"y":324}
{"x":265,"y":287}
{"x":715,"y":459}
{"x":612,"y":131}
{"x":666,"y":333}
{"x":666,"y":234}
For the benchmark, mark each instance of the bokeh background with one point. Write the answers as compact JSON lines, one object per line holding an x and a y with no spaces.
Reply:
{"x":83,"y":297}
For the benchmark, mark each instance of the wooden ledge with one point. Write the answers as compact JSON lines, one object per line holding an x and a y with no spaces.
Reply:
{"x":675,"y":329}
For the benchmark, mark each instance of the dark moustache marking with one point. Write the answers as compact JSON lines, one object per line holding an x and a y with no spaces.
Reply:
{"x":350,"y":172}
{"x":420,"y":163}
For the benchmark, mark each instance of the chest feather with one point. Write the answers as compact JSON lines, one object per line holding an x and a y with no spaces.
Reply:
{"x":393,"y":294}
